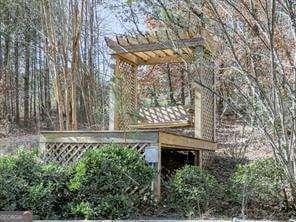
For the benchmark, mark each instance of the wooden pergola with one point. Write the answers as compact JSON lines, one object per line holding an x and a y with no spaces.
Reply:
{"x":163,"y":47}
{"x":159,"y":47}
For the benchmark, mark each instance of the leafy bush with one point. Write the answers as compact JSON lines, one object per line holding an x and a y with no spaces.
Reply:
{"x":110,"y":182}
{"x":223,"y":167}
{"x":192,"y":191}
{"x":259,"y":185}
{"x":49,"y":193}
{"x":17,"y":173}
{"x":28,"y":184}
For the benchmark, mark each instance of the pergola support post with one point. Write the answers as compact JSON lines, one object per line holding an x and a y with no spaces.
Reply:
{"x":198,"y":91}
{"x":198,"y":158}
{"x":124,"y":95}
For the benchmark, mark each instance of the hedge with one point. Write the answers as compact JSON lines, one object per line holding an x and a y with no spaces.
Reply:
{"x":108,"y":183}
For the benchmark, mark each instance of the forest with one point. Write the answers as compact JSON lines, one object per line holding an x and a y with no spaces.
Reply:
{"x":42,"y":46}
{"x":83,"y":81}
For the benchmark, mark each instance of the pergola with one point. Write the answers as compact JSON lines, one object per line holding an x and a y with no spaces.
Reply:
{"x":162,"y":47}
{"x":157,"y":47}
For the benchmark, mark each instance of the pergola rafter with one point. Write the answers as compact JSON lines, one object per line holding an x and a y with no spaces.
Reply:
{"x":158,"y":47}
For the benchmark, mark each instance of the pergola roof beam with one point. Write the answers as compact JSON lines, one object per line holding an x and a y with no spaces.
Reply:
{"x":119,"y":48}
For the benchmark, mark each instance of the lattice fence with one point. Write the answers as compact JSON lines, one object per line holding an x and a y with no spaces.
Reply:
{"x":67,"y":153}
{"x":205,"y":77}
{"x":207,"y":157}
{"x":208,"y":109}
{"x":166,"y":114}
{"x":125,"y":93}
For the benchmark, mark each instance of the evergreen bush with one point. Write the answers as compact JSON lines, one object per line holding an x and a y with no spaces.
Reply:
{"x":259,"y":183}
{"x":111,"y":182}
{"x":28,"y":184}
{"x":192,"y":191}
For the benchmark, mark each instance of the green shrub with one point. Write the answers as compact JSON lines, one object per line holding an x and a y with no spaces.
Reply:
{"x":259,"y":184}
{"x":191,"y":191}
{"x":223,"y":167}
{"x":28,"y":184}
{"x":110,"y":182}
{"x":50,"y":193}
{"x":17,"y":173}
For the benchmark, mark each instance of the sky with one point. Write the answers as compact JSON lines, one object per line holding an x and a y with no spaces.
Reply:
{"x":115,"y":23}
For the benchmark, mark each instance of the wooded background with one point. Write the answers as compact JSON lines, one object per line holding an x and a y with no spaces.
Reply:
{"x":53,"y":64}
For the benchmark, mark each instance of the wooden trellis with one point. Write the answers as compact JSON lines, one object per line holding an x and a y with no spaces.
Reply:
{"x":164,"y":117}
{"x":67,"y":153}
{"x":162,"y":47}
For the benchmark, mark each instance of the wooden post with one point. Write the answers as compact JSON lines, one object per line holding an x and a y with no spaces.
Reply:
{"x":198,"y":158}
{"x":216,"y":70}
{"x":158,"y":176}
{"x":153,"y":157}
{"x":124,"y":94}
{"x":111,"y":110}
{"x":198,"y":91}
{"x":117,"y":74}
{"x":197,"y":114}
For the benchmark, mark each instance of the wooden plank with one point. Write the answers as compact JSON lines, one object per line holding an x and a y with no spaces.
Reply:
{"x":170,"y":52}
{"x":171,"y":140}
{"x":155,"y":59}
{"x":161,"y":125}
{"x":100,"y":137}
{"x":130,"y":58}
{"x":142,"y":55}
{"x":198,"y":41}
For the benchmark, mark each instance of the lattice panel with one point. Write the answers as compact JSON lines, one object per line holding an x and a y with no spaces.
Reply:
{"x":207,"y":157}
{"x":204,"y":75}
{"x":156,"y":115}
{"x":66,"y":153}
{"x":208,"y":108}
{"x":125,"y":93}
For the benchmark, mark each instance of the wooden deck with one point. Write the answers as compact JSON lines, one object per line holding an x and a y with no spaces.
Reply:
{"x":65,"y":147}
{"x":160,"y":138}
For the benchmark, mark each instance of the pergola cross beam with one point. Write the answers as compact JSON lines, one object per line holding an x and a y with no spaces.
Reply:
{"x":158,"y":47}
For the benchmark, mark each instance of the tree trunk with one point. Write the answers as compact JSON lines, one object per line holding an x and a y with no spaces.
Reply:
{"x":16,"y":76}
{"x":7,"y":86}
{"x":27,"y":81}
